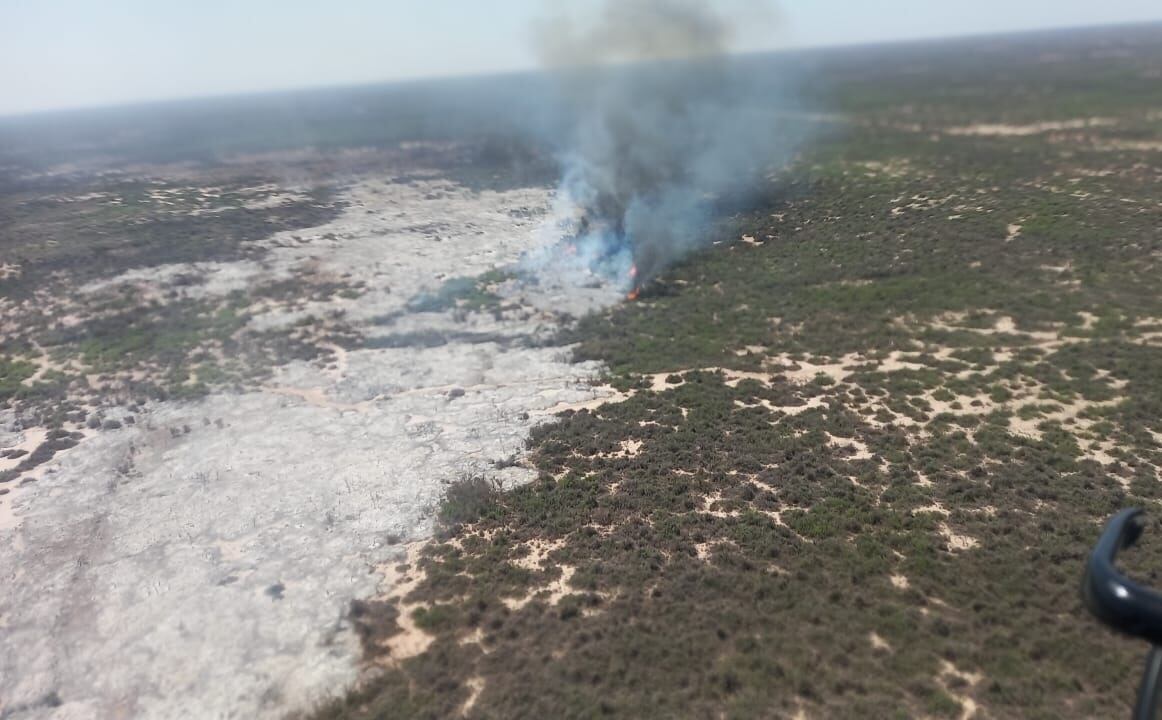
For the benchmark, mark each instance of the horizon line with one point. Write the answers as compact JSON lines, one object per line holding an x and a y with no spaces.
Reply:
{"x":146,"y":103}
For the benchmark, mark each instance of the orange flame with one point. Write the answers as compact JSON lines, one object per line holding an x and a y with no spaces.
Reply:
{"x":633,"y":294}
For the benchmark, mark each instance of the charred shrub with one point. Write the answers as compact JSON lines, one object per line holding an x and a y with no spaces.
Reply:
{"x":467,"y":500}
{"x":374,"y":622}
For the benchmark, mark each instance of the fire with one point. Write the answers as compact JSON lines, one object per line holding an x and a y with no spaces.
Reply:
{"x":633,"y":294}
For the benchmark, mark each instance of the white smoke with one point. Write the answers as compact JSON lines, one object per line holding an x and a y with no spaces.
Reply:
{"x":663,"y":121}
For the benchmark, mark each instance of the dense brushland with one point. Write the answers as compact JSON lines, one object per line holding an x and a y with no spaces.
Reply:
{"x":863,"y":450}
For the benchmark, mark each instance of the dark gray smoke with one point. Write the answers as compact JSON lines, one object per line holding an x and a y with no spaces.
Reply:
{"x":664,"y":122}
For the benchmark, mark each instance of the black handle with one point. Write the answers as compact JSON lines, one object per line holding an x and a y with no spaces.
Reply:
{"x":1125,"y":605}
{"x":1116,"y":600}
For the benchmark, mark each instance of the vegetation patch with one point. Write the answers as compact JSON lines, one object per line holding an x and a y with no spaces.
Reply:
{"x":464,"y":294}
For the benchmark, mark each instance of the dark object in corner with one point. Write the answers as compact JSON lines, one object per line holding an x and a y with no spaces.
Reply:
{"x":1126,"y":606}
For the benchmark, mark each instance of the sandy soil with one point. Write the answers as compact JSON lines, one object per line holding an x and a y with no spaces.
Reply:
{"x":1009,"y":130}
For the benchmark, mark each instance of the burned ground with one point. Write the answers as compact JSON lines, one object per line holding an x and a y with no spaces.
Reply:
{"x":74,"y":343}
{"x":112,"y":268}
{"x":863,"y":443}
{"x":231,"y":440}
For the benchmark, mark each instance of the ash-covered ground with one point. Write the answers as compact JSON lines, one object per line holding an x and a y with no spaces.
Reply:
{"x":205,"y":462}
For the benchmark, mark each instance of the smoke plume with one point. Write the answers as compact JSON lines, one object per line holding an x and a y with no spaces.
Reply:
{"x":663,"y":121}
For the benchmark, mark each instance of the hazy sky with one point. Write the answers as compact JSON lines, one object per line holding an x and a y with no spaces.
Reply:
{"x":74,"y":53}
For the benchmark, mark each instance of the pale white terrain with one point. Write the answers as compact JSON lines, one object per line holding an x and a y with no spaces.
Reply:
{"x":200,"y":563}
